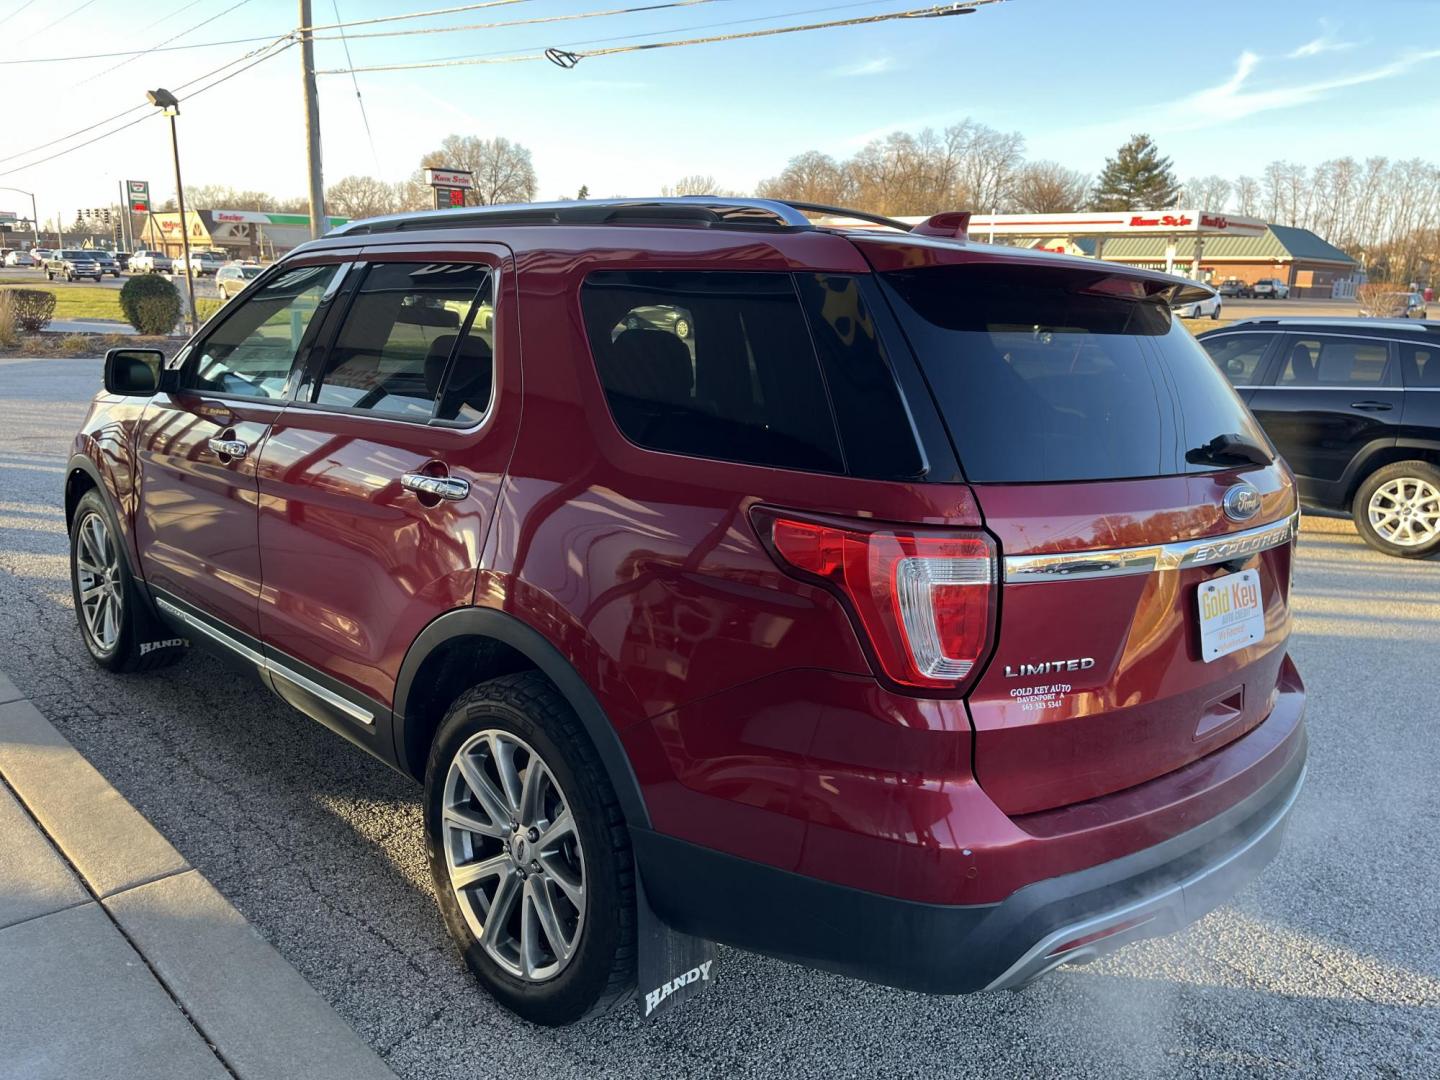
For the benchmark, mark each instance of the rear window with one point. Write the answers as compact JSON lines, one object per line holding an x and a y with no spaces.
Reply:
{"x":1043,"y":377}
{"x":711,"y":364}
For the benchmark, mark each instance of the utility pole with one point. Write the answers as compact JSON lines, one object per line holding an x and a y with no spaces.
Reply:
{"x":318,"y":220}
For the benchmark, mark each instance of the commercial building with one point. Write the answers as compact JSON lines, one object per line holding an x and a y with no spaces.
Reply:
{"x":240,"y":234}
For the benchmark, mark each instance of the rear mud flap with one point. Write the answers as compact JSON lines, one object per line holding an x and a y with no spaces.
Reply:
{"x":671,"y":967}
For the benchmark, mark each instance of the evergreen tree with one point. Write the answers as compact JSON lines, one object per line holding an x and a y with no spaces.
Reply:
{"x":584,"y":192}
{"x":1136,"y":178}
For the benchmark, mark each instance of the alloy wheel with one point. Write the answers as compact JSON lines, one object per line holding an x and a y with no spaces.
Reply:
{"x":514,"y":856}
{"x":97,"y":571}
{"x":1405,"y":511}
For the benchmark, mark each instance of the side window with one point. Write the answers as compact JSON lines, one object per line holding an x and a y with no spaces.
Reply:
{"x":711,"y":364}
{"x":879,"y":438}
{"x":416,"y":343}
{"x":250,"y":354}
{"x":1237,"y":355}
{"x":1420,"y":365}
{"x":1334,"y":361}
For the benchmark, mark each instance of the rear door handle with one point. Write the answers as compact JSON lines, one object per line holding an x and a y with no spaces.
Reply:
{"x":442,"y":487}
{"x":232,"y":448}
{"x":1371,"y":406}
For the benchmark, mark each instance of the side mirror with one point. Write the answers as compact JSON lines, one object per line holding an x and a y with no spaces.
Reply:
{"x":133,"y":372}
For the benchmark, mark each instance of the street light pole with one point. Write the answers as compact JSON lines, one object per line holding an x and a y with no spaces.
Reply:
{"x":34,"y":217}
{"x":166,"y":101}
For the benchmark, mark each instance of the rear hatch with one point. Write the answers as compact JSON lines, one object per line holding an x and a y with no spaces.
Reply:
{"x":1101,"y":444}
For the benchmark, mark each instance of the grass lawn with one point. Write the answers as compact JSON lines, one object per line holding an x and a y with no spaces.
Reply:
{"x":85,"y":302}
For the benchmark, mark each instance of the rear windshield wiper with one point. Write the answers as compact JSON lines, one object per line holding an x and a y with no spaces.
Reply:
{"x":1232,"y":449}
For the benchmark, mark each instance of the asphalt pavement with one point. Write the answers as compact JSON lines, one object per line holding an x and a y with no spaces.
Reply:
{"x":1329,"y":965}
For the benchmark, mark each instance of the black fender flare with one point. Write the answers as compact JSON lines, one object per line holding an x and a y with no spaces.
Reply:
{"x":1363,"y":464}
{"x":530,"y":643}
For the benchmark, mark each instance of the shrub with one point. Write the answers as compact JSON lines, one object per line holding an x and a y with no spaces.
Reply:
{"x":151,"y":304}
{"x":1379,"y":299}
{"x":8,"y":336}
{"x":30,"y":309}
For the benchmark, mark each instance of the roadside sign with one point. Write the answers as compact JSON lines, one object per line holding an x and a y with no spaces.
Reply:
{"x":447,"y":197}
{"x":138,"y":195}
{"x":449,"y":178}
{"x":8,"y":218}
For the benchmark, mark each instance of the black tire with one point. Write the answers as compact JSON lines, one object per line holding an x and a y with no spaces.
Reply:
{"x":601,"y":972}
{"x":142,"y":643}
{"x":1360,"y":507}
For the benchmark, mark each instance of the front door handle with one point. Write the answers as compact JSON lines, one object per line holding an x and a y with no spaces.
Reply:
{"x":442,"y":487}
{"x":231,"y":448}
{"x":1371,"y":406}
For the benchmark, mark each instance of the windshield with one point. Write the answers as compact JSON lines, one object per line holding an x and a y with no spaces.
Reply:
{"x":248,"y":272}
{"x":1042,"y":380}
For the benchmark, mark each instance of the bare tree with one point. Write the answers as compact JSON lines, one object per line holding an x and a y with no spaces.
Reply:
{"x":982,"y":163}
{"x":1247,"y":196}
{"x":361,"y":197}
{"x":503,"y":170}
{"x":810,"y":177}
{"x":1206,"y":192}
{"x":694,"y":184}
{"x":1046,"y":187}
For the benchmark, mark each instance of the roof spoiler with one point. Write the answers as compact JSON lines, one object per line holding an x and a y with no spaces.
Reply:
{"x":952,"y":225}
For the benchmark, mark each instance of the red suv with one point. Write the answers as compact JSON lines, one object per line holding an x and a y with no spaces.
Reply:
{"x":900,"y":606}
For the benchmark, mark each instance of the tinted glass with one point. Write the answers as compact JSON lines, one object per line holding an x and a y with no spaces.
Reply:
{"x":1055,"y":375}
{"x":1237,"y":355}
{"x":1420,"y":365}
{"x":1334,"y":361}
{"x":879,"y":438}
{"x":395,"y":345}
{"x":715,"y":365}
{"x":251,"y":352}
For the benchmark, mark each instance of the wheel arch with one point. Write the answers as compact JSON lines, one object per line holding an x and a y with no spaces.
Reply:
{"x":465,"y":646}
{"x":1427,"y":450}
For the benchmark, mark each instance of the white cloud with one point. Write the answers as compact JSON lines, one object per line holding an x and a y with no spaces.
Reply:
{"x":1327,"y":42}
{"x":1234,"y":98}
{"x":877,"y":65}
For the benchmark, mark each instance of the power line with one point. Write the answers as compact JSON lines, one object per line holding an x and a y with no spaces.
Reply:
{"x":418,"y":14}
{"x":56,"y":22}
{"x":166,"y":18}
{"x":134,"y":108}
{"x":355,"y":82}
{"x":567,"y":59}
{"x":150,"y":113}
{"x":17,"y":11}
{"x":343,"y":37}
{"x":533,"y":22}
{"x":167,"y":41}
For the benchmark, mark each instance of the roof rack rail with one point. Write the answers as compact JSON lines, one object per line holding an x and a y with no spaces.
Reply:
{"x":711,"y":211}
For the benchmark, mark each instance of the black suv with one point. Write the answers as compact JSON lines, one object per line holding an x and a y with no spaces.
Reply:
{"x":1354,"y":407}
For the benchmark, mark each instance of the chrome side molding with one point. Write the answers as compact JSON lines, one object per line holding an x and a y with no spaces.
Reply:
{"x":1120,"y":562}
{"x":269,"y":668}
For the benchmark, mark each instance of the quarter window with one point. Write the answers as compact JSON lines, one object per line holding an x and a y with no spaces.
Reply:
{"x":1237,"y":355}
{"x":415,"y":344}
{"x":250,"y":354}
{"x":711,"y":364}
{"x":1420,"y":365}
{"x":1334,"y":361}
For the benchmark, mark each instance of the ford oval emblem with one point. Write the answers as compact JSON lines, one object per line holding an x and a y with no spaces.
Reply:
{"x":1242,"y":502}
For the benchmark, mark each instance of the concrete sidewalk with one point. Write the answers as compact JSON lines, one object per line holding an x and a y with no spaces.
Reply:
{"x":117,"y":959}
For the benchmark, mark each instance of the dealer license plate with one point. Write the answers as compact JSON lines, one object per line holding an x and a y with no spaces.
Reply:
{"x":1232,"y":614}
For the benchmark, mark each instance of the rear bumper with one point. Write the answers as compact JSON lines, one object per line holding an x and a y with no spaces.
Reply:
{"x":953,"y":949}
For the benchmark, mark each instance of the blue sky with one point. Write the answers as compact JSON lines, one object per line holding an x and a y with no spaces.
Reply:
{"x":1223,"y":87}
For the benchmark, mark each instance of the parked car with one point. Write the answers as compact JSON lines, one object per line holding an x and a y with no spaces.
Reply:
{"x":71,"y":264}
{"x":106,"y":261}
{"x":1208,"y":307}
{"x":1235,"y":288}
{"x":1354,"y":406}
{"x":204,"y":263}
{"x":19,"y":259}
{"x":1270,"y":289}
{"x":921,"y":615}
{"x":230,"y":279}
{"x":151,"y":262}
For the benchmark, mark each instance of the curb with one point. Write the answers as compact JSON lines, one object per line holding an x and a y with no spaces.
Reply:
{"x":257,"y":1014}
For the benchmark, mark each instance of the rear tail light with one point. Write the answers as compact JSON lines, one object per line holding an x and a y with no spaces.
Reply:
{"x":924,"y":600}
